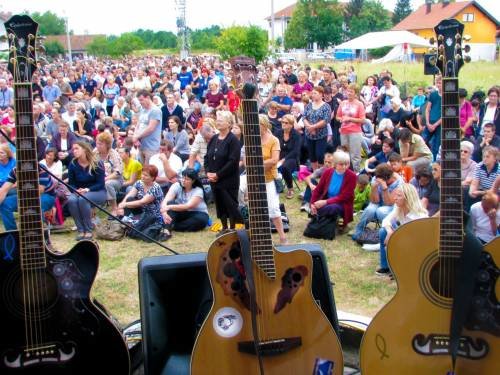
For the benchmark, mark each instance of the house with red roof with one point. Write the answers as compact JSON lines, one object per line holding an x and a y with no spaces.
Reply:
{"x":479,"y":24}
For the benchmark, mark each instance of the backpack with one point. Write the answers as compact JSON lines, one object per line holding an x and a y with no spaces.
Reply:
{"x":149,"y":226}
{"x":110,"y":230}
{"x":322,"y":227}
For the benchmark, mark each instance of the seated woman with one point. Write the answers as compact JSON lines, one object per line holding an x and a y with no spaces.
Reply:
{"x":381,"y":156}
{"x":408,"y":207}
{"x":7,"y":162}
{"x":179,"y":137}
{"x":86,"y":175}
{"x":63,"y":142}
{"x":334,"y":195}
{"x":82,"y":126}
{"x":184,"y":208}
{"x":144,"y":197}
{"x":431,"y":198}
{"x":290,"y":151}
{"x":52,"y":163}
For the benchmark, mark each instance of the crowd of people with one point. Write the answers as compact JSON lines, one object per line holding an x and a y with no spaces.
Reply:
{"x":161,"y":138}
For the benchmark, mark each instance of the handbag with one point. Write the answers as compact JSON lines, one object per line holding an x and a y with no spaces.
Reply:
{"x":369,"y":236}
{"x":322,"y":227}
{"x":110,"y":230}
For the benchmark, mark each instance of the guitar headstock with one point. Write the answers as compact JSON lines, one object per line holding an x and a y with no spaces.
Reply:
{"x":245,"y":76}
{"x":449,"y":47}
{"x":21,"y":34}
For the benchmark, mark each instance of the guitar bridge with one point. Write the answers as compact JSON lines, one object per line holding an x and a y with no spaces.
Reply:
{"x":270,"y":347}
{"x":49,"y":354}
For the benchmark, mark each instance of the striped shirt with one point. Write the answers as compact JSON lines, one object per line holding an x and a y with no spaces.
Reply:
{"x":44,"y":179}
{"x":486,"y":179}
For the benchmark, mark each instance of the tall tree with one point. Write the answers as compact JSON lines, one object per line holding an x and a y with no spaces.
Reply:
{"x":242,"y":40}
{"x":315,"y":21}
{"x":49,"y":23}
{"x":401,"y":11}
{"x":53,"y":48}
{"x":373,"y":17}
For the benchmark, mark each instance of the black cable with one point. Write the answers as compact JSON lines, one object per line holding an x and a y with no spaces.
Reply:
{"x":353,"y":321}
{"x":72,"y":189}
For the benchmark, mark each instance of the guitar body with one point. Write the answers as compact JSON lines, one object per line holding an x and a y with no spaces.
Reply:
{"x":229,"y":322}
{"x":77,"y":337}
{"x":390,"y":344}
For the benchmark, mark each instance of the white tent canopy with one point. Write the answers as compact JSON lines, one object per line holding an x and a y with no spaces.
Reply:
{"x":383,"y":39}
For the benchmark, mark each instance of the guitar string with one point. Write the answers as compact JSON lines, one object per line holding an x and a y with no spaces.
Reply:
{"x":251,"y":183}
{"x":24,"y":274}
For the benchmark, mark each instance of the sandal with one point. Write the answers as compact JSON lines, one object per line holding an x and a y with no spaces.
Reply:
{"x":81,"y":236}
{"x":165,"y":234}
{"x":289,"y":194}
{"x":88,"y":236}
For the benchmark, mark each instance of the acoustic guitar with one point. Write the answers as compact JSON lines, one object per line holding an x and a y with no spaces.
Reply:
{"x":49,"y":324}
{"x":264,"y":318}
{"x":414,"y":333}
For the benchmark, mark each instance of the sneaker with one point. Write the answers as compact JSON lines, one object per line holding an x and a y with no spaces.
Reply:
{"x":305,"y":207}
{"x":301,"y":195}
{"x":371,"y":247}
{"x":383,"y":272}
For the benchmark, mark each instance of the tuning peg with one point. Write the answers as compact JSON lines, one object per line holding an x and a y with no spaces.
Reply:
{"x":467,"y":59}
{"x":466,"y":37}
{"x":467,"y":48}
{"x":12,"y":36}
{"x":31,"y":36}
{"x":31,"y":61}
{"x":441,"y":37}
{"x":12,"y":61}
{"x":458,"y":36}
{"x":441,"y":58}
{"x":432,"y":40}
{"x":12,"y":48}
{"x":458,"y":57}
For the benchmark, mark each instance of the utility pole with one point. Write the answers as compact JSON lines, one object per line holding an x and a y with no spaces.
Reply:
{"x":68,"y":39}
{"x":272,"y":25}
{"x":182,"y":31}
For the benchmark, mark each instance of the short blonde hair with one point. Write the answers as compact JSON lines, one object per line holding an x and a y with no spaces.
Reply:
{"x":5,"y":148}
{"x":341,"y":157}
{"x":264,"y":121}
{"x":105,"y":138}
{"x":225,"y":116}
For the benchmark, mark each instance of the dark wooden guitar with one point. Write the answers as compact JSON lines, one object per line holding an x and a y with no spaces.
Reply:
{"x":49,"y":324}
{"x":273,"y":326}
{"x":412,"y":333}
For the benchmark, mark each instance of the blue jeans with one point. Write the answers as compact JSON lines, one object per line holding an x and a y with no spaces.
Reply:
{"x":433,"y":139}
{"x":372,"y":212}
{"x":383,"y":251}
{"x":9,"y":206}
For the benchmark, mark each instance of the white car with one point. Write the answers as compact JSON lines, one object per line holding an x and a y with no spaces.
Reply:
{"x":319,"y":56}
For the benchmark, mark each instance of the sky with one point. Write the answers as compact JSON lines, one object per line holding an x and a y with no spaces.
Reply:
{"x":116,"y":17}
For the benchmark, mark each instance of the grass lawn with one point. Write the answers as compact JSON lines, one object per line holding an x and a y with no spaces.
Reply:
{"x":357,"y":288}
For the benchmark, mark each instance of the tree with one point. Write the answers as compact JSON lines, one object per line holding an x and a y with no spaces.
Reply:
{"x":125,"y":44}
{"x":401,"y":11}
{"x":49,"y":23}
{"x":373,"y":17}
{"x":315,"y":21}
{"x":53,"y":48}
{"x":98,"y":46}
{"x":242,"y":40}
{"x":204,"y":39}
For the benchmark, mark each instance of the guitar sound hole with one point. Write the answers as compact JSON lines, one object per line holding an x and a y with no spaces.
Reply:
{"x":37,"y":297}
{"x":442,"y":278}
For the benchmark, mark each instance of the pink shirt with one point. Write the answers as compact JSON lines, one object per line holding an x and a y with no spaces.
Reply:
{"x":299,"y":89}
{"x":466,"y":113}
{"x":351,"y":109}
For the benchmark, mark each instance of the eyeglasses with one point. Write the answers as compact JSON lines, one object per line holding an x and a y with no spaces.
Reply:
{"x":464,"y":151}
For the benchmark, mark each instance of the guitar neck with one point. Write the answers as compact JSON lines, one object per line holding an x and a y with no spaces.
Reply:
{"x":28,"y":193}
{"x":260,"y":228}
{"x":451,"y":216}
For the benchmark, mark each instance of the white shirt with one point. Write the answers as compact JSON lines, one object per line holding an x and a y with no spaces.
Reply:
{"x":173,"y":159}
{"x":481,"y":222}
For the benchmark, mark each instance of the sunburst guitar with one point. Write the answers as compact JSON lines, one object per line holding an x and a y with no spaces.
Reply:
{"x":277,"y":328}
{"x":411,"y":334}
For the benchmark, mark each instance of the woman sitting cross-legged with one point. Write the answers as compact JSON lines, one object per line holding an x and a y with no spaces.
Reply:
{"x":144,"y":197}
{"x":86,"y":175}
{"x":184,"y":208}
{"x":334,"y":195}
{"x":408,"y":207}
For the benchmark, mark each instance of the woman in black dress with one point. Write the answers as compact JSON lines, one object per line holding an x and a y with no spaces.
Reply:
{"x":290,"y":151}
{"x":221,"y":165}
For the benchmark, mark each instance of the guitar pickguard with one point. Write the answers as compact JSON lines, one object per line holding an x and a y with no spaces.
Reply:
{"x":484,"y":314}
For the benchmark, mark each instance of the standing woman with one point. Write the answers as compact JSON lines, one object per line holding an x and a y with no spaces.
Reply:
{"x":351,"y":114}
{"x":317,"y":115}
{"x":113,"y":166}
{"x":222,"y":168}
{"x":408,"y":207}
{"x":179,"y":137}
{"x":490,"y":113}
{"x":369,"y":94}
{"x":111,"y":92}
{"x":214,"y":97}
{"x":271,"y":155}
{"x":290,"y":151}
{"x":86,"y":175}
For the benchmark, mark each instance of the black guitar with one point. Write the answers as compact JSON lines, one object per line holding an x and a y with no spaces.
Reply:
{"x":49,"y":324}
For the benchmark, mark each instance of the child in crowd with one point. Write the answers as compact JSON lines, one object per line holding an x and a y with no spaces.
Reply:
{"x":362,"y":192}
{"x":418,"y":99}
{"x":396,"y":163}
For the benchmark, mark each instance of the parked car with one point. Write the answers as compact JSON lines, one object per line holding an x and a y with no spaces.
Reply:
{"x":319,"y":56}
